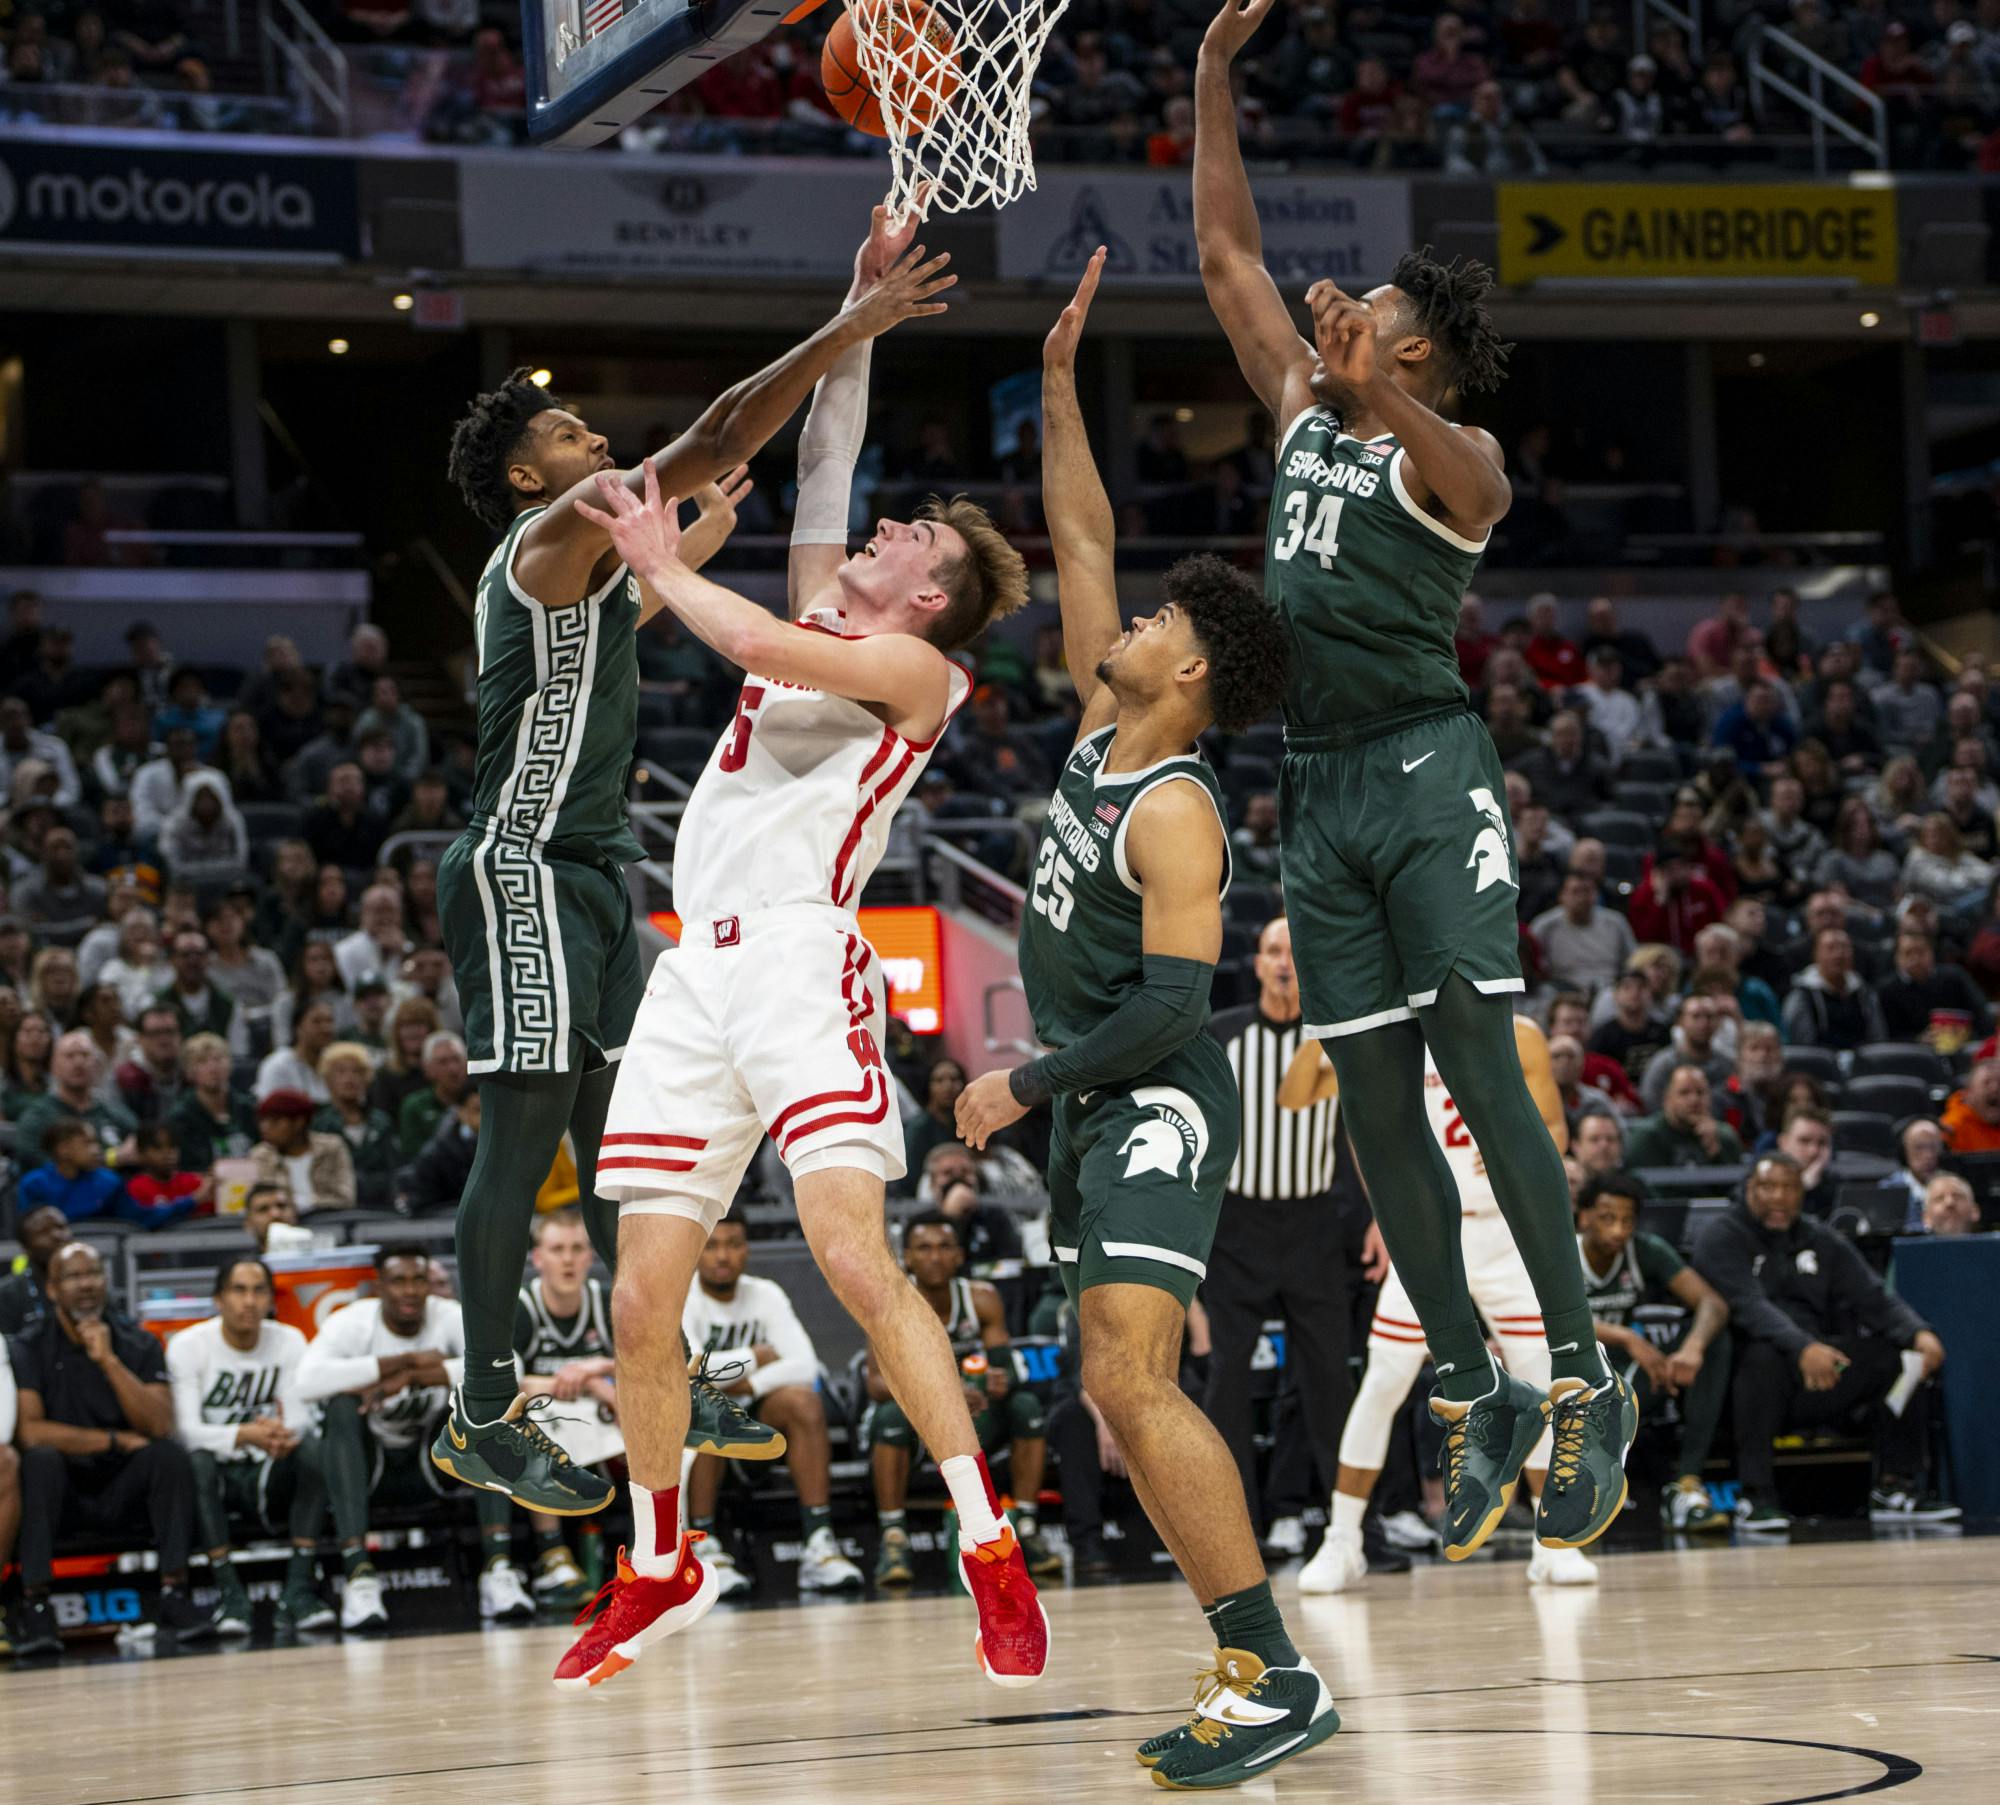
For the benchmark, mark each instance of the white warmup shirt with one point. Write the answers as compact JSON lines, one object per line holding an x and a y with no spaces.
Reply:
{"x":346,"y":1355}
{"x":758,"y":1312}
{"x":218,"y":1387}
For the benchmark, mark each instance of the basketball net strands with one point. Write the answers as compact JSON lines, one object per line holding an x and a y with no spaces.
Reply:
{"x":954,"y":79}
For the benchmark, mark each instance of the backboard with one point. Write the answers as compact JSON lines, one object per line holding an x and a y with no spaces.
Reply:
{"x":594,"y":66}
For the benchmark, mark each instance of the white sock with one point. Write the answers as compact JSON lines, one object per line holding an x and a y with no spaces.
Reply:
{"x":1347,"y":1514}
{"x":646,"y":1559}
{"x":977,"y":1520}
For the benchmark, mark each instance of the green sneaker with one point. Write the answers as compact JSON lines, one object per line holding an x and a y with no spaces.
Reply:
{"x":1485,"y":1443}
{"x":1041,"y":1558}
{"x":718,"y":1424}
{"x":232,"y":1605}
{"x":1206,"y":1684}
{"x":514,"y":1455}
{"x":1686,"y":1508}
{"x":300,"y":1607}
{"x":1254,"y":1718}
{"x":892,"y":1559}
{"x":1590,"y":1427}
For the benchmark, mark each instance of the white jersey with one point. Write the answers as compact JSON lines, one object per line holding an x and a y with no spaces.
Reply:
{"x":1468,"y":1168}
{"x":347,"y":1352}
{"x":217,"y":1386}
{"x":796,"y":801}
{"x":758,"y":1312}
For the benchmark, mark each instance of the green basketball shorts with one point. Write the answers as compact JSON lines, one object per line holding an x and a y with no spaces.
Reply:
{"x":1399,"y":869}
{"x":542,"y":948}
{"x":1136,"y":1174}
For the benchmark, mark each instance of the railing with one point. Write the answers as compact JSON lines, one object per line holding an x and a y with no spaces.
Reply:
{"x":1688,"y":19}
{"x":311,"y":61}
{"x":1822,"y":115}
{"x":965,"y":882}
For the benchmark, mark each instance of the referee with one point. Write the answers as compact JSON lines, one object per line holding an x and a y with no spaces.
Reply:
{"x":1280,"y":1247}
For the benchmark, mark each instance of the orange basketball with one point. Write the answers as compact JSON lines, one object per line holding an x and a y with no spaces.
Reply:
{"x":926,"y":71}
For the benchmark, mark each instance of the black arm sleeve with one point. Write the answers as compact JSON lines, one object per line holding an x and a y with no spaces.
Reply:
{"x":1166,"y":1011}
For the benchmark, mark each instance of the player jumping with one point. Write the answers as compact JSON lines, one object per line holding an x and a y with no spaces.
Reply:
{"x":768,"y":1016}
{"x":1118,"y":949}
{"x":1400,"y":878}
{"x":532,"y":895}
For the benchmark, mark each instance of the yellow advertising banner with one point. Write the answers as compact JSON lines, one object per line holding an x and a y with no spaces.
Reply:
{"x":1628,"y":231}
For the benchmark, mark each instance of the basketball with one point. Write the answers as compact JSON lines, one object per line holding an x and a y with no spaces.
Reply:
{"x":925,"y":70}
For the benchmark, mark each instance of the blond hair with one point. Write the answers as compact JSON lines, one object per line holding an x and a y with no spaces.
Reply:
{"x":986,"y":585}
{"x":198,"y":1047}
{"x":349,"y":1052}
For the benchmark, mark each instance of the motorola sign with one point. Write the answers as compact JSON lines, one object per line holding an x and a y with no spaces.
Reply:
{"x":206,"y":203}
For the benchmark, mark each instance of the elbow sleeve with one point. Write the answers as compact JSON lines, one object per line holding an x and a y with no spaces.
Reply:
{"x":828,"y":448}
{"x":1166,"y":1011}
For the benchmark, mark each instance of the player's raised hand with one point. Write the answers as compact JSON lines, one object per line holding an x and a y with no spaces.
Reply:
{"x":986,"y":1106}
{"x":647,"y":533}
{"x":883,"y":245}
{"x":1343,"y":331}
{"x":718,"y":501}
{"x":1059,"y":348}
{"x":1234,"y":26}
{"x":904,"y":293}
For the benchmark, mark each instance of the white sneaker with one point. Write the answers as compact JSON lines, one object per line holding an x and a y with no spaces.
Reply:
{"x":502,"y":1597}
{"x":730,"y":1580}
{"x":1287,"y":1538}
{"x":823,"y":1568}
{"x":1338,"y":1565}
{"x":361,"y":1602}
{"x":557,"y":1571}
{"x":1409,"y":1532}
{"x":1561,"y":1567}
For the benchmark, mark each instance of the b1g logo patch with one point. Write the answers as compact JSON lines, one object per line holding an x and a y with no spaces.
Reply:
{"x":1179,"y":1128}
{"x":1489,"y":847}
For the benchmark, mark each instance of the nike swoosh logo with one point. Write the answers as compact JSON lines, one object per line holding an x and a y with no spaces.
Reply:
{"x":1568,"y":1347}
{"x":1410,"y":764}
{"x":457,"y":1440}
{"x":1084,"y":1096}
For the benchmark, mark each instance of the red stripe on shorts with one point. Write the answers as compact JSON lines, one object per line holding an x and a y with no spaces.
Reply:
{"x":692,"y":1141}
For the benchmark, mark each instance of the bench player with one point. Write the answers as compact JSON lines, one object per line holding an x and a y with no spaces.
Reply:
{"x":768,"y":1016}
{"x":1500,"y":1288}
{"x":1118,"y":950}
{"x":1400,"y":877}
{"x":532,"y":896}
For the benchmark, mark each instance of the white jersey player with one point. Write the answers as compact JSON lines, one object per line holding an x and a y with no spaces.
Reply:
{"x":768,"y":1017}
{"x":348,"y":1355}
{"x":218,"y":1386}
{"x":1500,"y":1288}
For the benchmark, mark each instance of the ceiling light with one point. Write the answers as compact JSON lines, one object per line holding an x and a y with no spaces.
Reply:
{"x":1756,"y":360}
{"x":338,"y":346}
{"x":1871,"y":319}
{"x":402,"y":303}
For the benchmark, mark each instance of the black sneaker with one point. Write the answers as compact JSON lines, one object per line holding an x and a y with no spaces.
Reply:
{"x":717,"y":1423}
{"x":183,"y":1619}
{"x":1383,"y":1556}
{"x":514,"y":1454}
{"x":1894,"y":1502}
{"x":37,"y":1638}
{"x":1760,"y":1513}
{"x":1088,"y":1558}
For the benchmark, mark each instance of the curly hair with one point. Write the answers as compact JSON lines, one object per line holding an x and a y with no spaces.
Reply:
{"x":1449,"y":302}
{"x":1249,"y":653}
{"x":488,"y":439}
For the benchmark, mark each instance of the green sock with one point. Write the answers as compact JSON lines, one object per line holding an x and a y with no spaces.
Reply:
{"x":498,"y":1544}
{"x":299,"y":1569}
{"x":1472,"y":1375}
{"x":815,"y":1517}
{"x":1575,"y":1331}
{"x":889,"y":1519}
{"x":353,"y":1560}
{"x":1250,"y":1620}
{"x":547,"y":1538}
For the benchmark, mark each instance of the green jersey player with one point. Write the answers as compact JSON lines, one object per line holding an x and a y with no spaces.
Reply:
{"x":1118,"y":948}
{"x":1399,"y":871}
{"x":532,"y":896}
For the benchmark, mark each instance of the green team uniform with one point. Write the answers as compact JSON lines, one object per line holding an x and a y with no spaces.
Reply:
{"x":532,"y":895}
{"x":1015,"y":1417}
{"x":1135,"y":1174}
{"x":1642,"y":1274}
{"x":1397,"y":859}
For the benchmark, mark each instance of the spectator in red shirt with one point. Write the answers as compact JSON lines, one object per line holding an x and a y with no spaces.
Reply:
{"x":1712,"y":645}
{"x":744,"y":86}
{"x":498,"y":83}
{"x":1895,"y":69}
{"x":159,"y":1179}
{"x":1557,"y":661}
{"x":1173,"y":146}
{"x":1675,"y":899}
{"x":1530,"y":41}
{"x":1472,"y":642}
{"x":1367,"y":108}
{"x":1446,"y":73}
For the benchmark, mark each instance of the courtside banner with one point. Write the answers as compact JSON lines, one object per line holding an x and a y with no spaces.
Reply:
{"x":663,"y":216}
{"x":1350,"y":229}
{"x":135,"y":197}
{"x":1821,"y":231}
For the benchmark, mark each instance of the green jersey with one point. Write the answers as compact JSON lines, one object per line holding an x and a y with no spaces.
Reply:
{"x":558,"y":712}
{"x":1081,"y":934}
{"x":1368,"y":582}
{"x":1642,"y":1274}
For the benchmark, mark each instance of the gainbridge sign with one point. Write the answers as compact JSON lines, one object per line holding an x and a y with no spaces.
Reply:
{"x":1648,"y":232}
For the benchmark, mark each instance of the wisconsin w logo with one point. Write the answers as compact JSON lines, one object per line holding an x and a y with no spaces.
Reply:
{"x":1179,"y":1127}
{"x":1489,"y":848}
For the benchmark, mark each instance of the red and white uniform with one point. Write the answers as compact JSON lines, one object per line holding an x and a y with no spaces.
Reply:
{"x":768,"y":1016}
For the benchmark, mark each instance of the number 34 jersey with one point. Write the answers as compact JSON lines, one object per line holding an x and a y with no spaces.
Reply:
{"x":1082,"y":932}
{"x":1368,"y":581}
{"x":795,"y":803}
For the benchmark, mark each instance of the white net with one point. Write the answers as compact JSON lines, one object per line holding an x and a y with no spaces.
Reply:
{"x":954,"y":80}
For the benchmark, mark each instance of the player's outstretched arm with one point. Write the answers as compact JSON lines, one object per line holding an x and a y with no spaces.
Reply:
{"x":560,"y":545}
{"x":1309,"y":1079}
{"x":1274,"y":359}
{"x":908,"y":677}
{"x":1081,"y":526}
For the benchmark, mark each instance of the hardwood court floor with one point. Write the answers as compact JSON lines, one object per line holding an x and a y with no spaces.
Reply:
{"x":1729,"y":1677}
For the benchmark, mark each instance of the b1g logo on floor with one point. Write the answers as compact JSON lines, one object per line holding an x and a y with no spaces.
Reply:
{"x":1489,"y":848}
{"x":1180,"y":1127}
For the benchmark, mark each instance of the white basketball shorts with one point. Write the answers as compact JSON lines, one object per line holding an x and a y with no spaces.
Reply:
{"x":769,"y":1022}
{"x":1499,"y":1284}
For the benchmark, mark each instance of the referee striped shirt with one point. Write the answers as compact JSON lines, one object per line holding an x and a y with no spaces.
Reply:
{"x":1284,"y":1154}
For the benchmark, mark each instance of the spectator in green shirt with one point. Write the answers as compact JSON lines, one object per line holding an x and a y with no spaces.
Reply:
{"x":445,"y":1079}
{"x":74,"y":1071}
{"x":212,"y":1119}
{"x":1685,"y":1132}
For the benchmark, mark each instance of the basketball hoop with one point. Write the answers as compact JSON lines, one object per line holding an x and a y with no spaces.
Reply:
{"x":953,"y":78}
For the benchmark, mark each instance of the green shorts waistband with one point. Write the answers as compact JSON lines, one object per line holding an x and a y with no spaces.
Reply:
{"x":1369,"y":727}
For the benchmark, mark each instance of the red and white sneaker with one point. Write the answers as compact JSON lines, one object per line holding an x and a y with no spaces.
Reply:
{"x":1013,"y":1641}
{"x":639,"y":1613}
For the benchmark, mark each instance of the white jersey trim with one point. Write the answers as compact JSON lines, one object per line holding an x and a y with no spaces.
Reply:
{"x":1181,"y":773}
{"x":1359,"y":1024}
{"x":1401,"y":491}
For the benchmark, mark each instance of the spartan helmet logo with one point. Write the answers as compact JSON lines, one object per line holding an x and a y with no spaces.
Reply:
{"x":1489,"y":849}
{"x":1157,"y":1146}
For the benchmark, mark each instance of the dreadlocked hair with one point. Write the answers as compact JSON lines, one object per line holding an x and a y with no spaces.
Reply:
{"x":1449,"y":301}
{"x":486,"y":441}
{"x":1241,"y":635}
